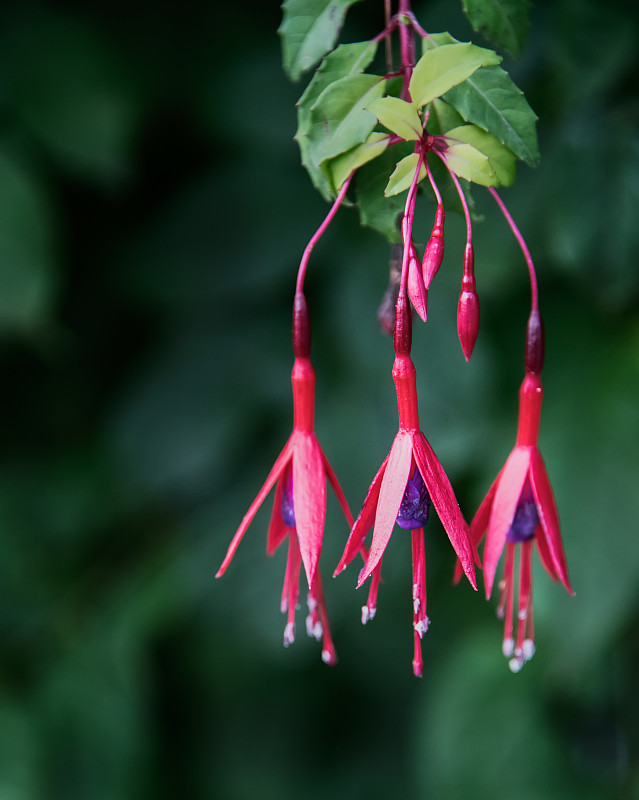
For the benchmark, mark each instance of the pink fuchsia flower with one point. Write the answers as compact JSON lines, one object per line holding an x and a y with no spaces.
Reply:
{"x":520,"y":510}
{"x":299,"y":510}
{"x":408,"y":482}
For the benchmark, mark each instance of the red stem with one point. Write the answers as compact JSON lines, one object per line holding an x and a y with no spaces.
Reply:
{"x":301,"y":273}
{"x":534,"y":300}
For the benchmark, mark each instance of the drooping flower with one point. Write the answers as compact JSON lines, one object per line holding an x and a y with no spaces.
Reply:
{"x":299,"y":510}
{"x":520,"y":510}
{"x":408,"y":482}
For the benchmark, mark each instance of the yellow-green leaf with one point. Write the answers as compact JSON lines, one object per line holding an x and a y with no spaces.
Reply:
{"x":467,"y":162}
{"x":398,"y":116}
{"x":403,"y":175}
{"x":440,"y":69}
{"x":342,"y":166}
{"x":501,"y":159}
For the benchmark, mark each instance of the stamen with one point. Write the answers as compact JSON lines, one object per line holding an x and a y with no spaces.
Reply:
{"x":525,"y":581}
{"x":291,"y":588}
{"x":415,"y":505}
{"x":516,"y":664}
{"x":420,"y":620}
{"x":370,"y":609}
{"x":289,"y":633}
{"x":321,"y":629}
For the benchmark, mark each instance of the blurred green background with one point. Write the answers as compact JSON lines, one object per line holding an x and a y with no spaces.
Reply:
{"x":152,"y":215}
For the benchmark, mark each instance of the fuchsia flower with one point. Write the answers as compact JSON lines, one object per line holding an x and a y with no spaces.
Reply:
{"x":408,"y":482}
{"x":520,"y":509}
{"x":299,"y":510}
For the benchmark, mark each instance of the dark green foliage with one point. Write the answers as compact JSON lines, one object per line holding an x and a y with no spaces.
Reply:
{"x":152,"y":215}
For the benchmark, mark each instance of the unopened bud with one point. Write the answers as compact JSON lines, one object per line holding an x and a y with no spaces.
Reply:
{"x":468,"y":321}
{"x":434,"y":254}
{"x":468,"y":306}
{"x":417,"y":292}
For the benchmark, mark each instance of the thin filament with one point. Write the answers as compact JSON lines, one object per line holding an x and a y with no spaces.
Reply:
{"x":301,"y":273}
{"x":462,"y":198}
{"x":534,"y":299}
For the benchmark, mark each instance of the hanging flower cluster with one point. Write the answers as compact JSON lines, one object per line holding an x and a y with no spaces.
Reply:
{"x":338,"y":114}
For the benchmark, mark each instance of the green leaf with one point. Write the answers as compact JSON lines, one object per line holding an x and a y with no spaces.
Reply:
{"x":440,"y":69}
{"x":398,"y":116}
{"x":492,"y":101}
{"x":342,"y":166}
{"x":403,"y":175}
{"x":504,"y":22}
{"x":339,"y":119}
{"x":448,"y":190}
{"x":309,"y":30}
{"x":443,"y":117}
{"x":467,"y":162}
{"x":377,"y":211}
{"x":347,"y":59}
{"x":501,"y":159}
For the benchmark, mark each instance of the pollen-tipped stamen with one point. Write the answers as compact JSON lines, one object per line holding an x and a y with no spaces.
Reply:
{"x":420,"y":619}
{"x":508,"y":645}
{"x":291,"y":588}
{"x":524,"y":604}
{"x":329,"y":654}
{"x":370,"y":609}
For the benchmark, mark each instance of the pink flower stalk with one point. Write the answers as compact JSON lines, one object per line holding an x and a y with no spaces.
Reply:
{"x":409,"y":480}
{"x":299,"y":510}
{"x":520,"y":510}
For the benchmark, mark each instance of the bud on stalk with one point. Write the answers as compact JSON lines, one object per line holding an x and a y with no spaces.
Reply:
{"x":434,"y":254}
{"x":417,"y":292}
{"x":468,"y":306}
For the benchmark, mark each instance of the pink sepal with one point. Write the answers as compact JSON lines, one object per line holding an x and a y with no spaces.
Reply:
{"x":549,"y":518}
{"x":309,"y":498}
{"x":364,"y":521}
{"x":277,"y":530}
{"x":273,"y":475}
{"x":443,"y":498}
{"x":508,"y":492}
{"x":478,"y":526}
{"x":390,"y":498}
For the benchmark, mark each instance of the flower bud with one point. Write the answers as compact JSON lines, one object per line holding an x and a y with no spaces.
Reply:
{"x":417,"y":292}
{"x":468,"y":306}
{"x":434,"y":254}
